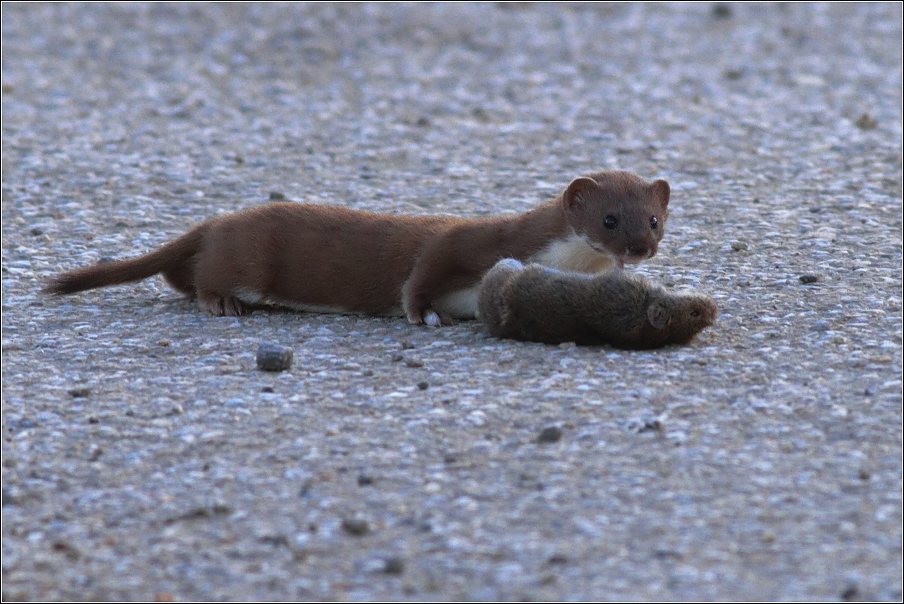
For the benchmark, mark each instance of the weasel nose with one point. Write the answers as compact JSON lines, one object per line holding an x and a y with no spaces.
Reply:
{"x":638,"y":251}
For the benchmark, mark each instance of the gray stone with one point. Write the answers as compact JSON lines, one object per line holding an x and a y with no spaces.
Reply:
{"x":552,"y":434}
{"x":273,"y":357}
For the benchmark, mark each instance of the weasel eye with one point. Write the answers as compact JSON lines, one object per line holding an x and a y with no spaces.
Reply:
{"x":610,"y":222}
{"x":653,"y":222}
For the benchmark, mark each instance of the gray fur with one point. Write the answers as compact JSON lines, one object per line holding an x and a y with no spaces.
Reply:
{"x":539,"y":304}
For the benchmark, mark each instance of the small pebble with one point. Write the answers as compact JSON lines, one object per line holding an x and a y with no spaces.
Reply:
{"x":66,"y":549}
{"x":820,"y":326}
{"x":275,"y":540}
{"x":866,"y":122}
{"x":550,"y":435}
{"x":413,"y":363}
{"x":651,"y":425}
{"x":276,"y":196}
{"x":273,"y":357}
{"x":423,"y":385}
{"x":393,"y":566}
{"x":355,"y":526}
{"x":94,"y":453}
{"x":809,"y":278}
{"x":739,"y":246}
{"x":365,"y":480}
{"x":79,"y":392}
{"x":722,"y":11}
{"x":850,"y":593}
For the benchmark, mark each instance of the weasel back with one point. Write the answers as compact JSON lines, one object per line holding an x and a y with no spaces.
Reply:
{"x":303,"y":256}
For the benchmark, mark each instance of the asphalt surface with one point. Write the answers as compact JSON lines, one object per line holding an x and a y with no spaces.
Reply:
{"x":146,"y":457}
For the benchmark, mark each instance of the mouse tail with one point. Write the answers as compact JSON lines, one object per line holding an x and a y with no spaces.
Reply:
{"x":174,"y":260}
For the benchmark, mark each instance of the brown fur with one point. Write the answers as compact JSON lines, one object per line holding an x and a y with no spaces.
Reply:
{"x":538,"y":304}
{"x":332,"y":259}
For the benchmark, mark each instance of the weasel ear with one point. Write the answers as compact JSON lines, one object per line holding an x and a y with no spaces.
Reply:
{"x":578,"y":192}
{"x":658,"y":314}
{"x":661,"y":192}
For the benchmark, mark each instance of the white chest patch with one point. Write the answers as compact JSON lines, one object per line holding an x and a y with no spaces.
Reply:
{"x":572,"y":254}
{"x":461,"y":304}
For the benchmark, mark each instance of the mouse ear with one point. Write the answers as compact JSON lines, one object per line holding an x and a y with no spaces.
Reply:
{"x":578,"y":193}
{"x":662,"y":192}
{"x":658,"y":314}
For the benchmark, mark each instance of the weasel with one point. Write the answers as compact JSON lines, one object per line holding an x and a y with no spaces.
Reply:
{"x":539,"y":304}
{"x":427,"y":268}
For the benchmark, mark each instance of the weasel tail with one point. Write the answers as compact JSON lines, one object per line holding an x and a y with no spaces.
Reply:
{"x":175,"y":260}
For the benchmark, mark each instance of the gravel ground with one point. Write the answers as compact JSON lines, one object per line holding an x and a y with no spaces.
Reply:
{"x":146,"y":457}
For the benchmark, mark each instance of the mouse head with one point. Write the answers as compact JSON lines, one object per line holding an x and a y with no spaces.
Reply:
{"x":681,"y":316}
{"x":618,"y":214}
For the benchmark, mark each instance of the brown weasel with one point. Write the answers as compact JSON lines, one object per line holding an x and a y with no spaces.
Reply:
{"x":539,"y":304}
{"x":428,"y":268}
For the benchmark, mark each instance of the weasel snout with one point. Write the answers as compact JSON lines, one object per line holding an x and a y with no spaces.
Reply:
{"x":635,"y":254}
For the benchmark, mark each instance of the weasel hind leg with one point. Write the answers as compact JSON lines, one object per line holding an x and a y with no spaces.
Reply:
{"x":181,"y":277}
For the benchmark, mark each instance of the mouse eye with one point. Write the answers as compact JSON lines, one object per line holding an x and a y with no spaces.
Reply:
{"x":653,"y":222}
{"x":610,"y":222}
{"x":695,"y":313}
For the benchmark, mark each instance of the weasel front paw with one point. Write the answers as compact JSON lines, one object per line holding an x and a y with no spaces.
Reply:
{"x":433,"y":318}
{"x":414,"y":318}
{"x":418,"y":311}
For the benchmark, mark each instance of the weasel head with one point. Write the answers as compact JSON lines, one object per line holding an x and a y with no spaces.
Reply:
{"x":620,"y":214}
